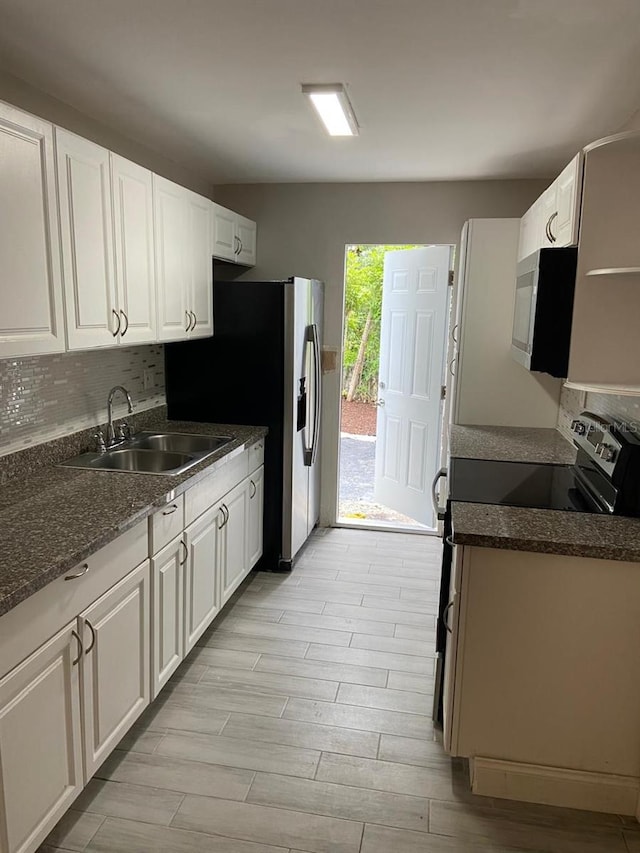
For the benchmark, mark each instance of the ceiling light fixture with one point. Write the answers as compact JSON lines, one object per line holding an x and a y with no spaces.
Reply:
{"x":332,"y":104}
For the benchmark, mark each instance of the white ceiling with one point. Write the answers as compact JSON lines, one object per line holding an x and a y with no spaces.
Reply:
{"x":443,"y":89}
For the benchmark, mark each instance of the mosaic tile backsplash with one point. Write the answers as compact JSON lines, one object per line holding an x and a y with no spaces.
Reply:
{"x":48,"y":396}
{"x":573,"y":402}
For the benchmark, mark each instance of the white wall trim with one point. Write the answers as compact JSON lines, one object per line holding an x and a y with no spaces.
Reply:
{"x":555,"y":786}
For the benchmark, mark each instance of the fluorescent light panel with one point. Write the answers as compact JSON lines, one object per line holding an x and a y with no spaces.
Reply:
{"x":331,"y":103}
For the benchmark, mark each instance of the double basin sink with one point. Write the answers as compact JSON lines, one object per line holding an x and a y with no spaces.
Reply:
{"x":167,"y":453}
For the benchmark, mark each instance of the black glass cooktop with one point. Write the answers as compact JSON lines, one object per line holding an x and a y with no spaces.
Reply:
{"x":518,"y":484}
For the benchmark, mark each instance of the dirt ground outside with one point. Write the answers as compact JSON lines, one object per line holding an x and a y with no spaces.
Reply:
{"x":358,"y":418}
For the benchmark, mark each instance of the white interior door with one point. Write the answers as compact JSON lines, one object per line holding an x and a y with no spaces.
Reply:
{"x":414,"y":320}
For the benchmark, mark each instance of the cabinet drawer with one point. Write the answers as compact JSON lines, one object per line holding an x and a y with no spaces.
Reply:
{"x":209,"y":491}
{"x":166,"y":524}
{"x":40,"y":616}
{"x":256,"y":455}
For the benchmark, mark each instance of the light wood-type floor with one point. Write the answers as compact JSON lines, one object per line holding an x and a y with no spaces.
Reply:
{"x":302,"y":722}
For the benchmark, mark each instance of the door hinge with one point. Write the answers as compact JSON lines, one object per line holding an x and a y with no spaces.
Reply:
{"x":450,"y":278}
{"x":443,"y":392}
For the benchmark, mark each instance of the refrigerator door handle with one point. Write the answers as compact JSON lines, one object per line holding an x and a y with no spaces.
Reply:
{"x":310,"y":453}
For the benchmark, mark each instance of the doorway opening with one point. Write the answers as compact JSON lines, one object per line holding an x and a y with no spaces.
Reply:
{"x":394,"y":335}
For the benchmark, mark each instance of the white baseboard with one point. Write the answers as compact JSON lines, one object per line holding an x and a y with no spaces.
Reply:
{"x":555,"y":786}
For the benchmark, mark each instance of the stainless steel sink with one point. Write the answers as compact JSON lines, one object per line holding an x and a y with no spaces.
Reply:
{"x":153,"y":453}
{"x":180,"y":442}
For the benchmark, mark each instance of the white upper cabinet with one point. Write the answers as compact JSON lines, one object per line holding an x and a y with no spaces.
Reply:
{"x":234,"y":236}
{"x":170,"y":215}
{"x":554,"y":218}
{"x":200,"y":296}
{"x":31,"y":313}
{"x":184,"y":262}
{"x":246,"y":231}
{"x":86,"y":224}
{"x":135,"y":262}
{"x":224,"y":233}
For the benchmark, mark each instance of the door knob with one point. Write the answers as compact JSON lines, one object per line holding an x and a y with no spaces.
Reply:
{"x":382,"y":385}
{"x":379,"y":402}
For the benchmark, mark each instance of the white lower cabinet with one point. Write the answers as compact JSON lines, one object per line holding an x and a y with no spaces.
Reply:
{"x":256,"y":512}
{"x":115,"y":679}
{"x":234,"y":548}
{"x":40,"y":742}
{"x":130,"y":621}
{"x":202,"y":588}
{"x":167,"y":581}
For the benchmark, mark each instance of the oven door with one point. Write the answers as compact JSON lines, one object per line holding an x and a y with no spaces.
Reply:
{"x":524,"y":310}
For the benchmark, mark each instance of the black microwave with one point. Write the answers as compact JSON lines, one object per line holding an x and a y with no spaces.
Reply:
{"x":545,"y":286}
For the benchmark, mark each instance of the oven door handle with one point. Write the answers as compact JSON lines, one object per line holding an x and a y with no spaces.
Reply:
{"x":438,"y":512}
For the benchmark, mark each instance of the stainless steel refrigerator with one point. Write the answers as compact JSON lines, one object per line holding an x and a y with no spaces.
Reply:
{"x":263,"y":367}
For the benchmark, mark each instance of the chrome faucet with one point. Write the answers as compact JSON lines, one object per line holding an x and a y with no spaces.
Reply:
{"x":111,"y":437}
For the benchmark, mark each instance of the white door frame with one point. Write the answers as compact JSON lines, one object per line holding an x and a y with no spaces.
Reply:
{"x":442,"y":438}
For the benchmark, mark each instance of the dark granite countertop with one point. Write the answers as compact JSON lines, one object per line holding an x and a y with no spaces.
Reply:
{"x":546,"y":531}
{"x":511,"y":444}
{"x":53,"y":518}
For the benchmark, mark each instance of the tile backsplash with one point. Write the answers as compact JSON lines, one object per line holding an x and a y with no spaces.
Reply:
{"x":48,"y":396}
{"x":573,"y":402}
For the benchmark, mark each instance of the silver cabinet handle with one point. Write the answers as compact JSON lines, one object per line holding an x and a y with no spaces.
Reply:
{"x":126,"y":320}
{"x":222,"y":523}
{"x":453,"y":333}
{"x":117,"y":316}
{"x":255,"y":489}
{"x":241,"y":249}
{"x":434,"y":489}
{"x":188,"y":326}
{"x":78,"y":574}
{"x":236,"y":249}
{"x":225,"y":509}
{"x":171,"y":509}
{"x":186,"y":552}
{"x":195,"y":320}
{"x":452,"y":366}
{"x":552,"y":236}
{"x":445,"y":617}
{"x":75,"y":634}
{"x":449,"y":541}
{"x":93,"y":637}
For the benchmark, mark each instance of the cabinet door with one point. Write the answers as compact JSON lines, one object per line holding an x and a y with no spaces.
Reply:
{"x":529,"y":231}
{"x":31,"y":319}
{"x":235,"y":563}
{"x":116,"y":683}
{"x":40,"y":743}
{"x":200,"y":301}
{"x":256,"y":513}
{"x":135,"y":263}
{"x":568,"y":197}
{"x":224,"y":233}
{"x":246,"y":231}
{"x":202,"y":582}
{"x":170,"y":230}
{"x":167,"y":582}
{"x":86,"y":226}
{"x":452,"y":617}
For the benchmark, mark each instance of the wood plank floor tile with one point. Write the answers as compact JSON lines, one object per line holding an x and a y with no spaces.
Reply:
{"x":380,"y":614}
{"x":372,"y":676}
{"x":278,"y":599}
{"x":208,"y":656}
{"x":246,"y":754}
{"x":369,"y":657}
{"x":339,"y":623}
{"x":394,"y":645}
{"x":419,"y":751}
{"x":357,"y":717}
{"x":270,"y":682}
{"x":473,"y":823}
{"x":406,"y":606}
{"x":380,"y":839}
{"x":342,"y":801}
{"x":385,"y":699}
{"x":413,"y":632}
{"x":132,"y":802}
{"x":303,"y":734}
{"x":244,"y":643}
{"x":75,"y":830}
{"x":278,"y":631}
{"x":314,"y":833}
{"x":410,"y":681}
{"x":176,"y":774}
{"x":125,"y":836}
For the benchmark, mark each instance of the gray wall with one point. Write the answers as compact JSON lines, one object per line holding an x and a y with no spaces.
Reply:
{"x":21,"y":94}
{"x":303,"y":230}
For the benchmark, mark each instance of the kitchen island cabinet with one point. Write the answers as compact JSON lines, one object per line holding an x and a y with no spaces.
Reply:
{"x":542,"y":689}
